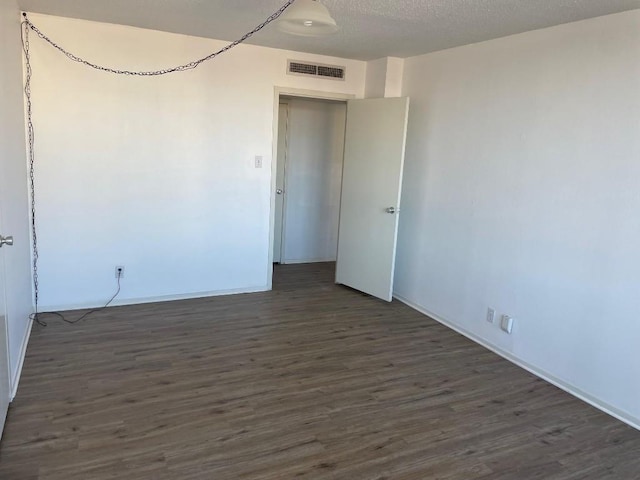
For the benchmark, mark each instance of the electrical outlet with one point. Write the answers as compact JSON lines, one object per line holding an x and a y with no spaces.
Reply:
{"x":491,"y":315}
{"x":119,"y":271}
{"x":506,"y":324}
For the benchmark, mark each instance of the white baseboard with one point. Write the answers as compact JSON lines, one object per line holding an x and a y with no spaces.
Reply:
{"x":567,"y":387}
{"x":162,"y":298}
{"x":308,"y":260}
{"x":23,"y":353}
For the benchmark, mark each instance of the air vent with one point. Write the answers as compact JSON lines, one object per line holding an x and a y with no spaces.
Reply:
{"x":333,"y":72}
{"x":315,"y":70}
{"x":303,"y":68}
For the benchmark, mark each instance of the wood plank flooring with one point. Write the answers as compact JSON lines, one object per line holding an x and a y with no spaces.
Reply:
{"x":309,"y":381}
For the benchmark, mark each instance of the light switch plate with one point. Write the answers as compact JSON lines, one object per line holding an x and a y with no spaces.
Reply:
{"x":491,"y":315}
{"x":258,"y":161}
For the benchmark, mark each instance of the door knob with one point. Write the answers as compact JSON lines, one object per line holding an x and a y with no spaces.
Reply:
{"x":6,"y":241}
{"x":392,"y":210}
{"x":279,"y":191}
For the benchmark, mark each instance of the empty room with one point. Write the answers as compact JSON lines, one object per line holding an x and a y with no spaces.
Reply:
{"x":319,"y":239}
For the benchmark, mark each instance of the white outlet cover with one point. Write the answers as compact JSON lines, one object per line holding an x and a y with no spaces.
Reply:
{"x":258,"y":161}
{"x":506,"y":324}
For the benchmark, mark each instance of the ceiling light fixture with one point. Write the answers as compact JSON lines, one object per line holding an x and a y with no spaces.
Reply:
{"x":308,"y":18}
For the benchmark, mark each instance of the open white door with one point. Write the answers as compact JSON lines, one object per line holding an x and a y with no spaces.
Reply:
{"x":371,"y":187}
{"x":5,"y":393}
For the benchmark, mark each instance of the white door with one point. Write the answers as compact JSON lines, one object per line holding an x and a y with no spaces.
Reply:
{"x":371,"y":186}
{"x":4,"y":354}
{"x":313,"y":183}
{"x":283,"y":123}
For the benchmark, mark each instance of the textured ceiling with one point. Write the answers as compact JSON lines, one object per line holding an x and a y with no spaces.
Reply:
{"x":368,"y":28}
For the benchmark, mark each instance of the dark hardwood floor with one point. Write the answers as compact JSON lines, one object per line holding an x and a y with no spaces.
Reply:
{"x":309,"y":381}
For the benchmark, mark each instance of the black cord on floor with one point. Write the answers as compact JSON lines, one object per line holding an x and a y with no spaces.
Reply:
{"x":36,"y":317}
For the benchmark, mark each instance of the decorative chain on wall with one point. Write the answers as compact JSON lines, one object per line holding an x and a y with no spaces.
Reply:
{"x":152,"y":73}
{"x":27,"y":26}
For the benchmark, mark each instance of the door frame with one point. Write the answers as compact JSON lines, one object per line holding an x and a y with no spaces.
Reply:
{"x":5,"y":361}
{"x":283,"y":221}
{"x":277,"y":93}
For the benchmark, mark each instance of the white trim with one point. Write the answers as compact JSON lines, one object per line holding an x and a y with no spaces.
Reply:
{"x":318,"y":94}
{"x":161,"y":298}
{"x":309,"y":260}
{"x":563,"y":385}
{"x":15,"y":380}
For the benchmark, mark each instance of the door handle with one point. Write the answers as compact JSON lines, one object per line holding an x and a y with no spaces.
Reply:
{"x":392,"y":210}
{"x":279,"y":191}
{"x":8,"y":241}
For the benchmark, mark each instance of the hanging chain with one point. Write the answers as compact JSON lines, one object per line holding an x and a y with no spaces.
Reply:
{"x":31,"y":159}
{"x":27,"y":25}
{"x":153,"y":73}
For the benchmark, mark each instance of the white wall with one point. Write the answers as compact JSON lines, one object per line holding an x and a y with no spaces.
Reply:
{"x":156,"y":174}
{"x":376,"y":78}
{"x":384,"y":77}
{"x":313,"y":180}
{"x":521,"y":192}
{"x":13,"y":187}
{"x":394,"y":77}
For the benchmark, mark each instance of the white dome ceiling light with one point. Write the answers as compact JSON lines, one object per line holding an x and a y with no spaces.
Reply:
{"x":308,"y":18}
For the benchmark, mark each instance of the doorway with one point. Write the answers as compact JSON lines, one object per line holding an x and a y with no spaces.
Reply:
{"x":310,"y":153}
{"x":360,"y":237}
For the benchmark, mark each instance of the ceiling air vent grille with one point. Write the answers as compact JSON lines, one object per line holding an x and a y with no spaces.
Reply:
{"x":333,"y":72}
{"x":303,"y":68}
{"x":315,"y":70}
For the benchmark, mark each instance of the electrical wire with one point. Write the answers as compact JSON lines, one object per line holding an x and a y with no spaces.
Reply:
{"x":26,"y":26}
{"x":37,"y":317}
